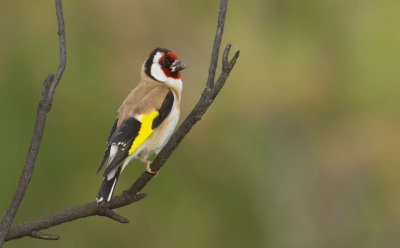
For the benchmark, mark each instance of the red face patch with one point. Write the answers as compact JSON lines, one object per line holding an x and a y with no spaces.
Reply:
{"x":166,"y":61}
{"x":172,"y":55}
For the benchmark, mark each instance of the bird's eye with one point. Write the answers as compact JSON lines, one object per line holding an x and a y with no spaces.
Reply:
{"x":163,"y":63}
{"x":166,"y":61}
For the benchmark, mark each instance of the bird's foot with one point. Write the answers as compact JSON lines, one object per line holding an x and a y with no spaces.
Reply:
{"x":148,"y":164}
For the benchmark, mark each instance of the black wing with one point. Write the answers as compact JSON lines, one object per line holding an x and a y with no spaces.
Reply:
{"x":120,"y":136}
{"x":123,"y":137}
{"x":164,"y":110}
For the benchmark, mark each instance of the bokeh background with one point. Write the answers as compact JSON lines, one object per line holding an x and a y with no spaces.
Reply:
{"x":300,"y":149}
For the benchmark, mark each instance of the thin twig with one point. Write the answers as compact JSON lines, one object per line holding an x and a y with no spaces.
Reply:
{"x":49,"y":87}
{"x":113,"y":215}
{"x":132,"y":195}
{"x":217,"y":44}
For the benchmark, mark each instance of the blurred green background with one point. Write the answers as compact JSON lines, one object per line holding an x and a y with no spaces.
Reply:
{"x":300,"y":149}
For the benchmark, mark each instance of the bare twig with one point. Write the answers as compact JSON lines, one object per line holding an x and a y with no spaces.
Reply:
{"x":49,"y":86}
{"x":132,"y":195}
{"x":217,"y":44}
{"x":112,"y":215}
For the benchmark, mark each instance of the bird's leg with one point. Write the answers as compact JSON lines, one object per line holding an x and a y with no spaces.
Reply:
{"x":148,"y":163}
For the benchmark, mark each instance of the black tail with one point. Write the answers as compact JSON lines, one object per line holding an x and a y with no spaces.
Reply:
{"x":107,"y":187}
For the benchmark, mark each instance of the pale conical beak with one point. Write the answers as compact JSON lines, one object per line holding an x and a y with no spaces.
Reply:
{"x":178,"y":66}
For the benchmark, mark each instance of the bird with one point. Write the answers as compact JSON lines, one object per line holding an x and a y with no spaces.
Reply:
{"x":146,"y":118}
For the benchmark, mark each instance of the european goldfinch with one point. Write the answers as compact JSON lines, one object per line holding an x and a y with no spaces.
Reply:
{"x":146,"y":119}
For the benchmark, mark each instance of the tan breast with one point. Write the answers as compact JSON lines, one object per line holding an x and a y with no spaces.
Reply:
{"x":146,"y":97}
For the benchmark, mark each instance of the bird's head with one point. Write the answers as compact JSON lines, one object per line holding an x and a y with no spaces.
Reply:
{"x":163,"y":65}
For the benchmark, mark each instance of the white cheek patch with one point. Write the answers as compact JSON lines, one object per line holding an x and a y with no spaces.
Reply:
{"x":157,"y":72}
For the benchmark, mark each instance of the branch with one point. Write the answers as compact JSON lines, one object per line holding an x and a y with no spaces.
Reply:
{"x":49,"y":86}
{"x":71,"y":214}
{"x":132,"y":194}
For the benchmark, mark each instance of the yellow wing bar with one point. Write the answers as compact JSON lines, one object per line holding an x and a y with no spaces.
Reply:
{"x":145,"y":130}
